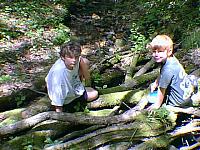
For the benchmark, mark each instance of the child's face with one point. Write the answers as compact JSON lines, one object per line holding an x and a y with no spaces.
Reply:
{"x":70,"y":61}
{"x":160,"y":55}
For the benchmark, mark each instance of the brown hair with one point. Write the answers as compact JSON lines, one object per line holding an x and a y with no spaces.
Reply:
{"x":70,"y":48}
{"x":161,"y":42}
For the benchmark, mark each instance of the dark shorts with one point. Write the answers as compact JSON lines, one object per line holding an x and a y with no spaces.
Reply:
{"x":77,"y":105}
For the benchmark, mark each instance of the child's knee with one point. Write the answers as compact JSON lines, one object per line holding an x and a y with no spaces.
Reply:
{"x":92,"y":95}
{"x":196,"y":99}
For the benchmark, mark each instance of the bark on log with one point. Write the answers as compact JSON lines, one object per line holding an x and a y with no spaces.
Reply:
{"x":11,"y":116}
{"x":136,"y":82}
{"x":79,"y":133}
{"x":145,"y":78}
{"x":111,"y":60}
{"x":145,"y":68}
{"x":190,"y":110}
{"x":73,"y":118}
{"x":164,"y":141}
{"x":192,"y":126}
{"x":41,"y":105}
{"x":129,"y":73}
{"x":38,"y":136}
{"x":192,"y":147}
{"x":12,"y":101}
{"x":123,"y":132}
{"x":114,"y":99}
{"x":106,"y":100}
{"x":24,"y":124}
{"x":116,"y":146}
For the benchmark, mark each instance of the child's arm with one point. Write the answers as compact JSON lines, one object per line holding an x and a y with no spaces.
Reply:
{"x":158,"y":103}
{"x":84,"y":70}
{"x":154,"y":85}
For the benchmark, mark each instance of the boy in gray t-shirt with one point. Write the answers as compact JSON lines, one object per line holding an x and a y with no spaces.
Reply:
{"x":172,"y":81}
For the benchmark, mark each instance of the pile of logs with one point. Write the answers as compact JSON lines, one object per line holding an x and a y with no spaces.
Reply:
{"x":118,"y":119}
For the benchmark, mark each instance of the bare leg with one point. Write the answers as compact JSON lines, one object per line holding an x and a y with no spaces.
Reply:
{"x":91,"y":93}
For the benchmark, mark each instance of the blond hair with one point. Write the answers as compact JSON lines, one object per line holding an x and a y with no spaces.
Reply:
{"x":161,"y":43}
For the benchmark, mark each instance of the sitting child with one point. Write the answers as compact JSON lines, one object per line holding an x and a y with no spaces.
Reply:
{"x":64,"y":84}
{"x":173,"y":84}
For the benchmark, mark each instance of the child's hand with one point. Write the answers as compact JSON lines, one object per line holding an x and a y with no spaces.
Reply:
{"x":153,"y":106}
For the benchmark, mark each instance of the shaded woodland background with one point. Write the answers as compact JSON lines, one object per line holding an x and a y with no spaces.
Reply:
{"x":112,"y":33}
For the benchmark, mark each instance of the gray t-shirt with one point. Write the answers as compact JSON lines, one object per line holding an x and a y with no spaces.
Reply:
{"x":174,"y":79}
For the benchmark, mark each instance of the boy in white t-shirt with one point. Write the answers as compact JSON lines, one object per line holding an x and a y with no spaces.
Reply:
{"x":64,"y":78}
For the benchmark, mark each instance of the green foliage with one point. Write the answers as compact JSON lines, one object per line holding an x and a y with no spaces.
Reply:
{"x":160,"y":114}
{"x":20,"y":99}
{"x":80,"y":107}
{"x":28,"y":147}
{"x":138,"y":40}
{"x":117,"y":57}
{"x":192,"y":40}
{"x":5,"y":78}
{"x":96,"y":78}
{"x":50,"y":142}
{"x":86,"y":110}
{"x":37,"y":13}
{"x":30,"y":16}
{"x":62,"y":35}
{"x":28,"y":144}
{"x":169,"y":17}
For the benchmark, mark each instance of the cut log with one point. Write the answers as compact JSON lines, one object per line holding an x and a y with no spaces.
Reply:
{"x":11,"y":116}
{"x":192,"y":126}
{"x":79,"y":133}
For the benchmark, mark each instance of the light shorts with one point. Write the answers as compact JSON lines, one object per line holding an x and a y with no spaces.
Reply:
{"x":152,"y":97}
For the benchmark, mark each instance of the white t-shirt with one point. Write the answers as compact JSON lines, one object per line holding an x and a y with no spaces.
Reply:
{"x":63,"y":85}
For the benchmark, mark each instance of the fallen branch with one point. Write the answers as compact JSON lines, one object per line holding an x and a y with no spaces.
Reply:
{"x":122,"y":132}
{"x":134,"y":83}
{"x":113,"y":99}
{"x":129,"y":73}
{"x":73,"y":118}
{"x":163,"y":141}
{"x":145,"y":68}
{"x":190,"y":110}
{"x":192,"y":147}
{"x":24,"y":124}
{"x":188,"y":128}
